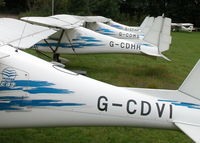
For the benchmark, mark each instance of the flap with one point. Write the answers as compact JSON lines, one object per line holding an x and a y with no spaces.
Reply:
{"x":191,"y":130}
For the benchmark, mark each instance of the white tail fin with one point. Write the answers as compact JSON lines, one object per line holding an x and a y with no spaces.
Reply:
{"x":148,"y":25}
{"x":144,"y":23}
{"x":159,"y":34}
{"x":191,"y":84}
{"x":165,"y":37}
{"x":153,"y":35}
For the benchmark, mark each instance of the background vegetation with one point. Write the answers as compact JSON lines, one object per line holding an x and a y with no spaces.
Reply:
{"x":127,"y":11}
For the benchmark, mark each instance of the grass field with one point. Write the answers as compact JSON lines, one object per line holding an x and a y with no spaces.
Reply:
{"x":122,"y":70}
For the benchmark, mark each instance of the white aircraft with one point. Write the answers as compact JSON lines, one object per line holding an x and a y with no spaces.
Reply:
{"x":71,"y":38}
{"x":188,"y":27}
{"x":36,"y":93}
{"x":103,"y":25}
{"x":119,"y":33}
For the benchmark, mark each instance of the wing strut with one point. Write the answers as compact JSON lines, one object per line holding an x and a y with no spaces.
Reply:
{"x":56,"y":55}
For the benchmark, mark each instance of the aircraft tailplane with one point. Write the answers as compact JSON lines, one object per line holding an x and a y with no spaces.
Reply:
{"x":190,"y":85}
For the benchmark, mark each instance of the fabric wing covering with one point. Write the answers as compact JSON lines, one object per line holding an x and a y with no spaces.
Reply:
{"x":22,"y":34}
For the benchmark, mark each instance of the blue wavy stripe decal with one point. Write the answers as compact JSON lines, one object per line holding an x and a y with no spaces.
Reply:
{"x":35,"y":87}
{"x":70,"y":45}
{"x":80,"y":42}
{"x":184,"y":104}
{"x":20,"y":103}
{"x":107,"y":34}
{"x":148,"y":45}
{"x":105,"y":31}
{"x":117,"y":26}
{"x":48,"y":90}
{"x":88,"y":39}
{"x":31,"y":83}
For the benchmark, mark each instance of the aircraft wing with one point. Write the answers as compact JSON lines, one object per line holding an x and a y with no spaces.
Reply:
{"x":56,"y":21}
{"x":21,"y":34}
{"x":191,"y":130}
{"x":64,"y":21}
{"x":96,"y":19}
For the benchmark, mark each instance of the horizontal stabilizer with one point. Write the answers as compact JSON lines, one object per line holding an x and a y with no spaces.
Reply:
{"x":190,"y":85}
{"x":191,"y":130}
{"x":153,"y":52}
{"x":21,"y":34}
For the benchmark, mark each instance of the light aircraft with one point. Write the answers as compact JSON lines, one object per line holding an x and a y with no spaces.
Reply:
{"x":72,"y":38}
{"x":115,"y":24}
{"x":188,"y":27}
{"x":36,"y":93}
{"x":103,"y":25}
{"x":120,"y":33}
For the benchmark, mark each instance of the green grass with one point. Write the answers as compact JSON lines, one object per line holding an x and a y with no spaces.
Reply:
{"x":122,"y":70}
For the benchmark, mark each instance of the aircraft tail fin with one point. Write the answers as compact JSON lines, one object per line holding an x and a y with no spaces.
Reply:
{"x":148,"y":25}
{"x":159,"y":34}
{"x":144,"y":23}
{"x":165,"y":37}
{"x":190,"y":86}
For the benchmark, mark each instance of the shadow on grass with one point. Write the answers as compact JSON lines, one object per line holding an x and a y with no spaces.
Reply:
{"x":159,"y":71}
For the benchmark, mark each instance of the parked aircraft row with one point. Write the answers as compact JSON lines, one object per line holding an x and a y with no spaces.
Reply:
{"x":92,"y":35}
{"x":188,"y":27}
{"x":36,"y":93}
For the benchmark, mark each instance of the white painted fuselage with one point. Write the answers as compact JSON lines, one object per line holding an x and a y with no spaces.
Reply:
{"x":83,"y":41}
{"x":114,"y":32}
{"x":35,"y":93}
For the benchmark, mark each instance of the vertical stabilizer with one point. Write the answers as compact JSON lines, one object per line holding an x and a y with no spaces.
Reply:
{"x":165,"y":37}
{"x":153,"y":35}
{"x":159,"y":34}
{"x":148,"y":25}
{"x":144,"y":23}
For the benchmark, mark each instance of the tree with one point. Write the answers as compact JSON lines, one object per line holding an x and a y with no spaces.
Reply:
{"x":2,"y":3}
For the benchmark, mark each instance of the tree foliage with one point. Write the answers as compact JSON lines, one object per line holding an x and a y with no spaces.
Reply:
{"x":2,"y":3}
{"x":122,"y":10}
